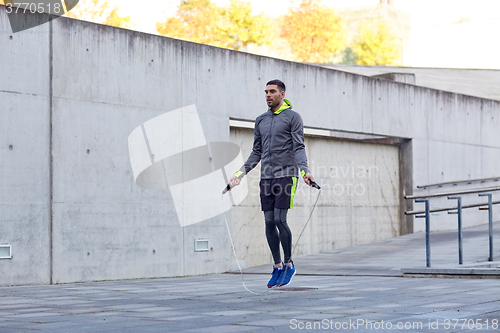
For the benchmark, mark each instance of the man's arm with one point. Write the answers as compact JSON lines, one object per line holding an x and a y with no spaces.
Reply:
{"x":297,"y":131}
{"x":252,"y":160}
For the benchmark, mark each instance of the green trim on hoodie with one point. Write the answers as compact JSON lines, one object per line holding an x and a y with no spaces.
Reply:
{"x":286,"y":105}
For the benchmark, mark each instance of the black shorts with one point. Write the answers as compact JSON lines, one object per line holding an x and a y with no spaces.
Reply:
{"x":277,"y":193}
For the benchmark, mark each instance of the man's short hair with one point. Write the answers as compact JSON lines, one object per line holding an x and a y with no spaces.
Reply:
{"x":279,"y":83}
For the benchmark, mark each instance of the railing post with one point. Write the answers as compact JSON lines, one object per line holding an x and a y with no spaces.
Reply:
{"x":427,"y":231}
{"x":490,"y":222}
{"x":459,"y":212}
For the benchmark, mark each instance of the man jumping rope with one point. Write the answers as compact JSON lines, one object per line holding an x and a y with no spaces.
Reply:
{"x":279,"y":144}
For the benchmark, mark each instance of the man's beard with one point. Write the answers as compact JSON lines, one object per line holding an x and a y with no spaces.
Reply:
{"x":275,"y":104}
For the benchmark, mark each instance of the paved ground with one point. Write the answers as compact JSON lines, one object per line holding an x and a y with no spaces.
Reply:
{"x":357,"y":289}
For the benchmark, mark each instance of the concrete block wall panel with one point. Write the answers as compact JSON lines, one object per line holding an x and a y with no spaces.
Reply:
{"x":248,"y":233}
{"x":490,"y":160}
{"x":24,"y":153}
{"x":460,"y":113}
{"x":101,"y":64}
{"x":444,"y":157}
{"x":490,"y":123}
{"x":366,"y":105}
{"x":93,"y":183}
{"x":360,"y":178}
{"x":23,"y":71}
{"x":217,"y":259}
{"x":391,"y":116}
{"x":341,"y":99}
{"x":421,"y":167}
{"x":113,"y":241}
{"x":100,"y":215}
{"x":422,"y":106}
{"x":350,"y":172}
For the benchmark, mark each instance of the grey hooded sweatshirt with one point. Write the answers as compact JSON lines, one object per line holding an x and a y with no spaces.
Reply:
{"x":279,"y":144}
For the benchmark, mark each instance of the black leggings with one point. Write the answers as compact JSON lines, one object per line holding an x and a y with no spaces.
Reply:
{"x":276,"y":220}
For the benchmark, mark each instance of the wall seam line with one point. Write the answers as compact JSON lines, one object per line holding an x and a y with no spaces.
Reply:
{"x":51,"y":167}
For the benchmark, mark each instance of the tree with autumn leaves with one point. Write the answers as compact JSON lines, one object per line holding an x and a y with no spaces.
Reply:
{"x":240,"y":28}
{"x":313,"y":31}
{"x":196,"y":21}
{"x":376,"y":45}
{"x":99,"y":11}
{"x":202,"y":21}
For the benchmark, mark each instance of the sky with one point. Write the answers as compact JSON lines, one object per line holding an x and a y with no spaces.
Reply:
{"x":437,"y":39}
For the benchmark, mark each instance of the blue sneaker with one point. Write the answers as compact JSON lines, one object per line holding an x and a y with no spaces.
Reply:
{"x":276,"y":274}
{"x":286,"y":276}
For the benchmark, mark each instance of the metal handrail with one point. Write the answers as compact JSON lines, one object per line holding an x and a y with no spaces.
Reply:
{"x":460,"y":182}
{"x":434,"y":195}
{"x":456,"y":210}
{"x":415,"y":212}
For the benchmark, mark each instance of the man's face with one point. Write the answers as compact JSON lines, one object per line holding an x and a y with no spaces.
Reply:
{"x":274,"y":96}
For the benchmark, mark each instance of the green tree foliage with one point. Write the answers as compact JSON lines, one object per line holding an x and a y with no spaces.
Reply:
{"x":376,"y":45}
{"x":240,"y":27}
{"x":99,"y":11}
{"x":116,"y":20}
{"x":346,"y":56}
{"x":314,"y":32}
{"x":202,"y":21}
{"x":196,"y":21}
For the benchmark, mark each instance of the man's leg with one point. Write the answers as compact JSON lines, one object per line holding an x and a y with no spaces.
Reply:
{"x":267,"y":199}
{"x":284,"y":201}
{"x":273,"y":239}
{"x":285,"y":234}
{"x":288,"y":270}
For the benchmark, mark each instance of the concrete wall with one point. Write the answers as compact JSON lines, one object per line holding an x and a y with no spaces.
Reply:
{"x":484,"y":83}
{"x":72,"y":91}
{"x":25,"y":185}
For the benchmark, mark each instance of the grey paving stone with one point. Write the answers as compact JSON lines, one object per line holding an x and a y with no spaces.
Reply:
{"x":221,"y":303}
{"x":11,"y":324}
{"x":269,"y":322}
{"x":223,"y":329}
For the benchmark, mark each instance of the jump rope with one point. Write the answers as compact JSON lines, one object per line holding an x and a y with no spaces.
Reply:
{"x":265,"y":296}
